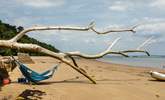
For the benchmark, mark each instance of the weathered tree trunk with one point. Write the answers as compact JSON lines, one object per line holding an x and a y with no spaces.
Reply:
{"x":13,"y":44}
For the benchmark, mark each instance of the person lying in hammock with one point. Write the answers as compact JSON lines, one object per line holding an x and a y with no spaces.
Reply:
{"x":33,"y":76}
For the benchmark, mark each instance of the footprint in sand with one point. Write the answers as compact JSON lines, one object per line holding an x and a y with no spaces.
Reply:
{"x":157,"y":95}
{"x":99,"y":67}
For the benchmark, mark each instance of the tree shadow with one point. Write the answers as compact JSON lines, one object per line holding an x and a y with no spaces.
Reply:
{"x":75,"y":80}
{"x":64,"y":81}
{"x":70,"y":80}
{"x":99,"y":81}
{"x":118,"y":79}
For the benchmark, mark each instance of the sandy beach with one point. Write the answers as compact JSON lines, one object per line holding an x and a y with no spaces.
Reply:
{"x":114,"y":82}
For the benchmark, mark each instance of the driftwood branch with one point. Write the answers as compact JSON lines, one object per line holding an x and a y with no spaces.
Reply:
{"x":114,"y":42}
{"x":145,"y":42}
{"x":100,"y":55}
{"x":87,"y":28}
{"x":13,"y":44}
{"x":75,"y":63}
{"x":116,"y":30}
{"x":36,"y":48}
{"x":142,"y":51}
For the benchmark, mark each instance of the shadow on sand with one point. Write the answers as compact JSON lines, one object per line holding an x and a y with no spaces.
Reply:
{"x":75,"y":80}
{"x":31,"y":95}
{"x":70,"y":80}
{"x":153,"y":80}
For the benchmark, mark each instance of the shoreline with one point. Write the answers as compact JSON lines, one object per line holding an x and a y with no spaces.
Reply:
{"x":137,"y":61}
{"x":136,"y":66}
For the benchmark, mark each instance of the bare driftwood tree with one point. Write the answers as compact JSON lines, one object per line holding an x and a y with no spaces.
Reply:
{"x":63,"y":57}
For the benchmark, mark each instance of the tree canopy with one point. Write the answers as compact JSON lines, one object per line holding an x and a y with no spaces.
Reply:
{"x":8,"y":31}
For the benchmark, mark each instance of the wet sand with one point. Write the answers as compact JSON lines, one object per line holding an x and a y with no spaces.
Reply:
{"x":114,"y":82}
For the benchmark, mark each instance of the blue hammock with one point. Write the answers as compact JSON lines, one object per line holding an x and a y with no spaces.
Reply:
{"x":33,"y":76}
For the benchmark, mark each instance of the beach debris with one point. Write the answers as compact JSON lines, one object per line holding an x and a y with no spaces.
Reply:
{"x":31,"y":95}
{"x":63,"y":56}
{"x":7,"y":63}
{"x":157,"y":75}
{"x":25,"y":58}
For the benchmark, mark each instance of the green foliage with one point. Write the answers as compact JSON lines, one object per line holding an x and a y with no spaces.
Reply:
{"x":8,"y":31}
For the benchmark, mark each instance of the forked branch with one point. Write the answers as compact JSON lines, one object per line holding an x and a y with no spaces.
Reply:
{"x":96,"y":56}
{"x":13,"y":44}
{"x":116,"y":30}
{"x":142,"y":51}
{"x":36,"y":48}
{"x":87,"y":28}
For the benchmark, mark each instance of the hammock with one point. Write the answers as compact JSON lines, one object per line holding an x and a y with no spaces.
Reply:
{"x":33,"y":76}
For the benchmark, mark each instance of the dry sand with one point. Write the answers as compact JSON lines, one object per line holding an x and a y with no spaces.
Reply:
{"x":114,"y":82}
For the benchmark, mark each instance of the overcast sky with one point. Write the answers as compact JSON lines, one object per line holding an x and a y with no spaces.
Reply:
{"x":107,"y":14}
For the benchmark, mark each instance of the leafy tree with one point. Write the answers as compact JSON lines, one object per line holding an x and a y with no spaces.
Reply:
{"x":8,"y":31}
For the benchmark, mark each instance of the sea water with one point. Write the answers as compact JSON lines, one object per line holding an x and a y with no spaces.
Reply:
{"x":140,"y":61}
